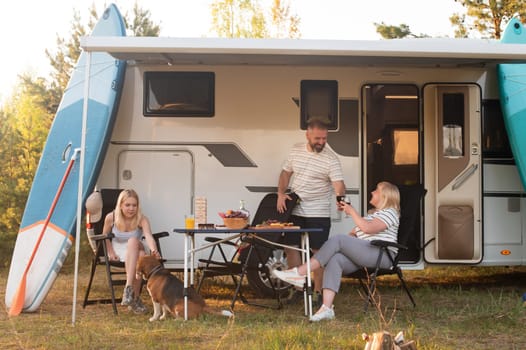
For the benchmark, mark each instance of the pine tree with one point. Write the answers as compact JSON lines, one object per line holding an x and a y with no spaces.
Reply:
{"x":487,"y":17}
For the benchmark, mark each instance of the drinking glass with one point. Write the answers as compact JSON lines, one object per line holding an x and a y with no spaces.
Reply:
{"x":189,"y":222}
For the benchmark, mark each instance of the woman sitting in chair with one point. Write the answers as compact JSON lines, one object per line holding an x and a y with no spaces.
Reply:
{"x":129,"y":225}
{"x":345,"y":254}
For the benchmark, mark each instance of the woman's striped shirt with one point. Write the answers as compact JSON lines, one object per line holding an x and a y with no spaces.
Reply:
{"x":391,"y":218}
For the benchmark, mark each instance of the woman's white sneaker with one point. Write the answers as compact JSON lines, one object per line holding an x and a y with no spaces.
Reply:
{"x":324,"y":313}
{"x":127,"y":296}
{"x":290,"y":276}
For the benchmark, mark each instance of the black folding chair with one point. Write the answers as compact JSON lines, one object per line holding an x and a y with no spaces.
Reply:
{"x":249,"y":254}
{"x":410,"y":208}
{"x":115,"y":270}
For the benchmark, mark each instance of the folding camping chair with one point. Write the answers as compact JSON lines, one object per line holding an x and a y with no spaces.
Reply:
{"x":248,"y":253}
{"x":410,"y":204}
{"x":115,"y":270}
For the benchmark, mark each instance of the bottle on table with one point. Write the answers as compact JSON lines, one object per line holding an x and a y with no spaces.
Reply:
{"x":244,"y":210}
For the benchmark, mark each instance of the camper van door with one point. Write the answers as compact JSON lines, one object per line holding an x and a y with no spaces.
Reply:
{"x":161,"y":176}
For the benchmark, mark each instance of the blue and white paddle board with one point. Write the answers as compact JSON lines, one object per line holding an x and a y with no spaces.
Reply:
{"x":512,"y":84}
{"x":106,"y":80}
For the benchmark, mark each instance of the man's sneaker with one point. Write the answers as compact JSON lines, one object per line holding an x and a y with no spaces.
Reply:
{"x":138,"y":307}
{"x":324,"y":313}
{"x":127,"y":296}
{"x":290,"y":276}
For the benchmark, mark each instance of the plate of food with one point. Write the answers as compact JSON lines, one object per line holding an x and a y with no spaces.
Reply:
{"x":274,"y":224}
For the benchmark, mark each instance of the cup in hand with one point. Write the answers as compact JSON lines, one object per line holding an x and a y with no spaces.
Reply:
{"x":340,"y":200}
{"x":345,"y":199}
{"x":189,"y":222}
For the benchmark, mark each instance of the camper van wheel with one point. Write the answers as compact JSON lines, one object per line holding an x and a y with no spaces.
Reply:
{"x":258,"y":276}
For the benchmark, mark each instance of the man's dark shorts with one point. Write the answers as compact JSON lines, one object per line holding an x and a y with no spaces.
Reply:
{"x":316,"y":239}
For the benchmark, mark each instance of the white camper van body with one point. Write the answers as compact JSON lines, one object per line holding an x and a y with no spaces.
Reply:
{"x":436,"y":124}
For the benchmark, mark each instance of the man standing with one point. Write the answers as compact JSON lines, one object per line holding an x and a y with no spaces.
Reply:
{"x":310,"y":170}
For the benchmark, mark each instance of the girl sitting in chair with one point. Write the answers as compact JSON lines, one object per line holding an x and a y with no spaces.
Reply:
{"x":129,"y":225}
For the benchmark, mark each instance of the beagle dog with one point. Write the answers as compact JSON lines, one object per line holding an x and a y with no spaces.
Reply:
{"x":166,"y":290}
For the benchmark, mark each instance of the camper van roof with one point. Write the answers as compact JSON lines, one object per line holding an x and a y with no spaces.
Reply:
{"x":415,"y":52}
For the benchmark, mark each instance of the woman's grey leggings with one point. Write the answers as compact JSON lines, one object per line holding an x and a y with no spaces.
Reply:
{"x":344,"y":254}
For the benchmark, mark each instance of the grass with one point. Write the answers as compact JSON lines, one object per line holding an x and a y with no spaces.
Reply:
{"x":457,"y":308}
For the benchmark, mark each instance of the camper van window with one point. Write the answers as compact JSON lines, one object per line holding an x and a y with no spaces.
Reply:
{"x":453,"y":124}
{"x":319,"y":98}
{"x":495,"y":140}
{"x":179,"y":94}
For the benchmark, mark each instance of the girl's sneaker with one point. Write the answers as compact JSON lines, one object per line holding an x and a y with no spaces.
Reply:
{"x":138,"y":307}
{"x":127,"y":296}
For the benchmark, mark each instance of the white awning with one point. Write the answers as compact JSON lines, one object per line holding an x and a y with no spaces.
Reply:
{"x":212,"y":51}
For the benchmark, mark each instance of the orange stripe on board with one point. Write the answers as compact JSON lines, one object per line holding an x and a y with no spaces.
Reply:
{"x":41,"y":222}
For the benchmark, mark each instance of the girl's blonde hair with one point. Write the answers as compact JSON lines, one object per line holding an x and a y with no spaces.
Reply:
{"x":390,"y":196}
{"x":118,"y":219}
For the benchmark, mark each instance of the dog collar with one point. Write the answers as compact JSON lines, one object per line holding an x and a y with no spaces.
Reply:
{"x":154,"y":271}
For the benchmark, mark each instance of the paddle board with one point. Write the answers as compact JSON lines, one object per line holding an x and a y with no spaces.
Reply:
{"x":512,"y":84}
{"x":106,"y":80}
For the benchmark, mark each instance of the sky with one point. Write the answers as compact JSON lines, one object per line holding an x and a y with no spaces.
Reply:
{"x":29,"y":27}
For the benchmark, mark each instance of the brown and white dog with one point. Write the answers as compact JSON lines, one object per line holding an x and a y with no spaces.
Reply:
{"x":166,"y":290}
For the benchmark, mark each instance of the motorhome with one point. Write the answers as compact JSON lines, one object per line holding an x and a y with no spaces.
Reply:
{"x":215,"y":119}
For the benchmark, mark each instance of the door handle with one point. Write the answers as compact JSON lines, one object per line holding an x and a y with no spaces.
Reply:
{"x":464,"y":176}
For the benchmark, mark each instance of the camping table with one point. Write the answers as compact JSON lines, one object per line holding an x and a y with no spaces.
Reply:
{"x":232,"y":234}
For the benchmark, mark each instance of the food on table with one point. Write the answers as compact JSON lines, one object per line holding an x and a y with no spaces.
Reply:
{"x":275,"y":223}
{"x":233,"y":214}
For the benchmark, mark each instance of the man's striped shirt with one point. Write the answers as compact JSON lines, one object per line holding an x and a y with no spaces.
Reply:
{"x":313,"y":174}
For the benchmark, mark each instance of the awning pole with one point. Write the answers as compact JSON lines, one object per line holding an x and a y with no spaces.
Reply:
{"x":81,"y":182}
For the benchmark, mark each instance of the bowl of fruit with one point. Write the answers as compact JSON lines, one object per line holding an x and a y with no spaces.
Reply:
{"x":234,"y":219}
